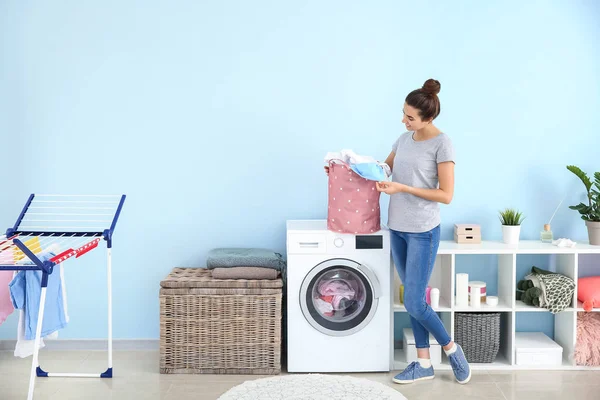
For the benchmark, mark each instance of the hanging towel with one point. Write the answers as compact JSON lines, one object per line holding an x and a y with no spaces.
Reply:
{"x":64,"y":293}
{"x":6,"y":306}
{"x":244,"y":257}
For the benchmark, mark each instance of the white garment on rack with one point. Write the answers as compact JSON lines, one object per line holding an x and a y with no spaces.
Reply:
{"x":24,"y":348}
{"x":64,"y":294}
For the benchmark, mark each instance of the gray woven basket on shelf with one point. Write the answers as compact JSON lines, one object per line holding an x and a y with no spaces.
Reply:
{"x":479,"y":335}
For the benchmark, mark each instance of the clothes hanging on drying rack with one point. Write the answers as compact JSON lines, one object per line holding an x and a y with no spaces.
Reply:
{"x":55,"y":231}
{"x":21,"y":290}
{"x":6,"y":306}
{"x":25,"y":347}
{"x":25,"y":291}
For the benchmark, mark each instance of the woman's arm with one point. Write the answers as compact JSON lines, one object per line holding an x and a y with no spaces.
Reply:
{"x":390,"y":160}
{"x":442,"y":195}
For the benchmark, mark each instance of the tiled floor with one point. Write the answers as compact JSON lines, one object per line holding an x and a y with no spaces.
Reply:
{"x":137,"y":378}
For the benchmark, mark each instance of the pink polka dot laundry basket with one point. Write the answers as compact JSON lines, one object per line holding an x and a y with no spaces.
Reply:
{"x":353,"y":203}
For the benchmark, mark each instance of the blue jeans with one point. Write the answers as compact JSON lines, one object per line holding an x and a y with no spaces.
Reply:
{"x":414,"y":256}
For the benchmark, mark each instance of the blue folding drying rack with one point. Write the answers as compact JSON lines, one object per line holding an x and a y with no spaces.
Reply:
{"x":73,"y":222}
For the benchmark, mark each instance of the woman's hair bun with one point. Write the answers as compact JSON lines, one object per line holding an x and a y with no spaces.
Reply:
{"x":431,"y":87}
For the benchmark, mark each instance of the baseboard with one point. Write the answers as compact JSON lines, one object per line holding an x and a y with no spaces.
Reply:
{"x":90,"y":344}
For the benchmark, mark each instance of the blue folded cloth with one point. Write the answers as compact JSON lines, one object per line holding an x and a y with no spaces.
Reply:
{"x":370,"y":171}
{"x":244,"y":257}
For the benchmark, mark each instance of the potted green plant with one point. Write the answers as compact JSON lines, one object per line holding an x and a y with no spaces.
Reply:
{"x":590,"y":212}
{"x":511,"y":220}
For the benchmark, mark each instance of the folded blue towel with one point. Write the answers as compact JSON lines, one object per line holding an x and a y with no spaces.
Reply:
{"x":244,"y":257}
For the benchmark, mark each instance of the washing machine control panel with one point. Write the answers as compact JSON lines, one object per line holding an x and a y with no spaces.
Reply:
{"x":364,"y":242}
{"x":358,"y":242}
{"x":325,"y":241}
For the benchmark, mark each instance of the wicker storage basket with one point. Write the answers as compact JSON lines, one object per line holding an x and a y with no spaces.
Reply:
{"x":479,"y":335}
{"x":212,"y":326}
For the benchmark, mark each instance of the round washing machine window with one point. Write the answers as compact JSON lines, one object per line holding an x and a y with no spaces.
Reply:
{"x":339,"y":297}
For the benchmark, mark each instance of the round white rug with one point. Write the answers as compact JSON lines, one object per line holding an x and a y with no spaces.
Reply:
{"x":312,"y":386}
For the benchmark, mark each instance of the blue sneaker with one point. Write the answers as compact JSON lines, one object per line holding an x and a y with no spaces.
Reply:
{"x":460,"y":366}
{"x":414,"y":372}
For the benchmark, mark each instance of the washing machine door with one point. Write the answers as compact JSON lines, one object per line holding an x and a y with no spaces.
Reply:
{"x":339,"y":297}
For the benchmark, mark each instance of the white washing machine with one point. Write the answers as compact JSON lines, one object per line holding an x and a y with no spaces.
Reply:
{"x":339,"y":304}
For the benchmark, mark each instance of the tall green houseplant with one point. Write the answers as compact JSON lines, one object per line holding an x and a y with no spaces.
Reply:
{"x":590,"y":212}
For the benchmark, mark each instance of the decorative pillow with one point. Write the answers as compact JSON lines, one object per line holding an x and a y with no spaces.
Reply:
{"x":588,"y":292}
{"x":587,"y":347}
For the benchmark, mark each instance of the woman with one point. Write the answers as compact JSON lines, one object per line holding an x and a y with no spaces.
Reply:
{"x":422,"y":163}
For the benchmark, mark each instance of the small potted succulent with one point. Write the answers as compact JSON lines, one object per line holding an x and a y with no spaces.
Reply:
{"x":511,"y":220}
{"x":590,"y":212}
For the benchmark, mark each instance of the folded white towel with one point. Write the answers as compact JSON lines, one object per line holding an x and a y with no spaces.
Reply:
{"x":562,"y":242}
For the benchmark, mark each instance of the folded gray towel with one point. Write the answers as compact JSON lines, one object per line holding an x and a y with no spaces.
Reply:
{"x":244,"y":257}
{"x":245,"y":273}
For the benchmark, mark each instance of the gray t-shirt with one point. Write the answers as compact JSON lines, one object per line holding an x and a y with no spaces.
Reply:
{"x":415,"y":164}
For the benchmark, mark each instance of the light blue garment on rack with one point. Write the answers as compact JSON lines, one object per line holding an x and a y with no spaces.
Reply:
{"x":371,"y":171}
{"x":25,"y":291}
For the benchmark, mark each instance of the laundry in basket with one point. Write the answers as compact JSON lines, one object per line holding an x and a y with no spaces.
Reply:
{"x":353,"y":200}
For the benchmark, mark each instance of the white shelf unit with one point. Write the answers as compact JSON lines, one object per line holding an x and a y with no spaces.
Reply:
{"x":564,"y":260}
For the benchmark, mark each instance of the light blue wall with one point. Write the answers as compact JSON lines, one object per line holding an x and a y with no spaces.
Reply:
{"x":11,"y":118}
{"x":12,"y":124}
{"x":214,"y":117}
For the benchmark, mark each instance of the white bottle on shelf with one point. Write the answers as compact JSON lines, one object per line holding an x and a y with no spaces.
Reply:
{"x":435,"y":298}
{"x":475,"y":297}
{"x":462,"y":290}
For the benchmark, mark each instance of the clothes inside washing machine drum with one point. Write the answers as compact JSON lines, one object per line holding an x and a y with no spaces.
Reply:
{"x":353,"y":201}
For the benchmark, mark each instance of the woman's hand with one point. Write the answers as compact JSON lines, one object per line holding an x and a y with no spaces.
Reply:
{"x":391,"y":187}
